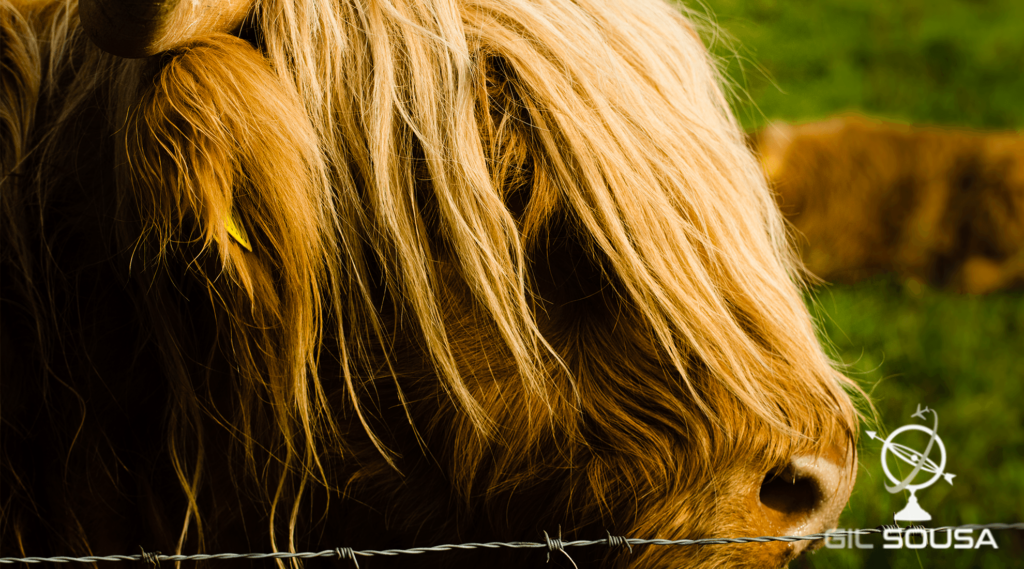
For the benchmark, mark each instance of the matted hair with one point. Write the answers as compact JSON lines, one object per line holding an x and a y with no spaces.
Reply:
{"x":360,"y":197}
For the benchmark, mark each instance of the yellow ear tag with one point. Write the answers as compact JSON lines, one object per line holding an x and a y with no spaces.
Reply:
{"x":235,"y":229}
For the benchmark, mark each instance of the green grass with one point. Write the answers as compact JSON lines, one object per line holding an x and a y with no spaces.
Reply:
{"x":933,"y":61}
{"x":945,"y":62}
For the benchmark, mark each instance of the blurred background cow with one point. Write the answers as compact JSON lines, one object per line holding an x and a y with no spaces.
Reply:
{"x":297,"y":274}
{"x":942,"y":206}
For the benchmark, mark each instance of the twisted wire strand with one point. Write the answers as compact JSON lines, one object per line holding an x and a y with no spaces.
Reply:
{"x":551,"y":544}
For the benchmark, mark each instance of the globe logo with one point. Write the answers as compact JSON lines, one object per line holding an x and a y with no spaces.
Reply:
{"x":918,"y":461}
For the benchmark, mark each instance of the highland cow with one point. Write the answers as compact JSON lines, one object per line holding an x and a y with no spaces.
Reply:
{"x":936,"y":205}
{"x":298,"y":275}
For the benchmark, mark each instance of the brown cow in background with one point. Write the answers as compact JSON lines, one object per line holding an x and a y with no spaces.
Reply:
{"x":942,"y":206}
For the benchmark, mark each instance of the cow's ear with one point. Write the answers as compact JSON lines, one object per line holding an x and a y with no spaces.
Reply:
{"x":140,"y":28}
{"x":218,"y":140}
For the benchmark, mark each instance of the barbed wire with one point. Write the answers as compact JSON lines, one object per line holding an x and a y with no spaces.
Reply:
{"x":551,"y":544}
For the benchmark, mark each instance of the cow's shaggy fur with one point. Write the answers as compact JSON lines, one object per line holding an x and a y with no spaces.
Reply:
{"x":938,"y":205}
{"x":393,"y":273}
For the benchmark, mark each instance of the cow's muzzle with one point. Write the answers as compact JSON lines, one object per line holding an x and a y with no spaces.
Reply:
{"x":806,"y":496}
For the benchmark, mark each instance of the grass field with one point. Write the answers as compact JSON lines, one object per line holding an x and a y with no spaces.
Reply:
{"x":945,"y":62}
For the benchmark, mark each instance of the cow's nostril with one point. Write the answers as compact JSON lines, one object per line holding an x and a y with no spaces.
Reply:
{"x":791,"y":494}
{"x":807,"y":495}
{"x":803,"y":497}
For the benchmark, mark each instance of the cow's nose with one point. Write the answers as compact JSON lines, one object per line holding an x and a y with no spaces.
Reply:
{"x":807,"y":495}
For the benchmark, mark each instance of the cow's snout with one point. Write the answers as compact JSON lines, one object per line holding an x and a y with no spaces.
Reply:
{"x":806,"y":495}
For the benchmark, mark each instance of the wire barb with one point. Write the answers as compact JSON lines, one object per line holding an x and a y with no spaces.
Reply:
{"x":150,"y":559}
{"x":347,"y":553}
{"x":618,"y":541}
{"x":555,"y":544}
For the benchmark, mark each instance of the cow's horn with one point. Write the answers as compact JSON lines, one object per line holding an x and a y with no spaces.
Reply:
{"x":140,"y":28}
